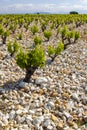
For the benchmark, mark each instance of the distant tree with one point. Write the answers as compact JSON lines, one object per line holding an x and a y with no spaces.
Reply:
{"x":73,"y":12}
{"x":37,"y":13}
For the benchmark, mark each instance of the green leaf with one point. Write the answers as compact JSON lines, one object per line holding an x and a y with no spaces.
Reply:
{"x":21,"y":59}
{"x":47,"y":34}
{"x":37,"y":40}
{"x":77,"y":35}
{"x":34,"y":29}
{"x":59,"y":48}
{"x":13,"y":47}
{"x":32,"y":58}
{"x":51,"y":50}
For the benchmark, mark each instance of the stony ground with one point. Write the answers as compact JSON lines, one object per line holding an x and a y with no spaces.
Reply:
{"x":55,"y":99}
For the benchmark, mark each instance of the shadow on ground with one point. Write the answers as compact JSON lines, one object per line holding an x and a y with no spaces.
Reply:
{"x":10,"y":85}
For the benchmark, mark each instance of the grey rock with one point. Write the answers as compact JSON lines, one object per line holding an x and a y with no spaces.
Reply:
{"x":50,"y":127}
{"x":66,"y":128}
{"x":29,"y":118}
{"x":41,"y":80}
{"x":44,"y":85}
{"x":1,"y":114}
{"x":2,"y":90}
{"x":51,"y":104}
{"x":38,"y":120}
{"x":70,"y":105}
{"x":18,"y":112}
{"x":31,"y":111}
{"x":5,"y":121}
{"x":23,"y":84}
{"x":2,"y":74}
{"x":67,"y":115}
{"x":73,"y":76}
{"x":20,"y":119}
{"x":85,"y":119}
{"x":86,"y":90}
{"x":47,"y":123}
{"x":12,"y":115}
{"x":25,"y":127}
{"x":75,"y":96}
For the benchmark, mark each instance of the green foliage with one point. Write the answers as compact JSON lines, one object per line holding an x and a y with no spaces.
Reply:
{"x":13,"y":48}
{"x":64,"y":32}
{"x":70,"y":34}
{"x":73,"y":12}
{"x":54,"y":51}
{"x":22,"y":59}
{"x":26,"y":26}
{"x":59,"y":48}
{"x":12,"y":28}
{"x":34,"y":29}
{"x":31,"y":58}
{"x":1,"y":31}
{"x":47,"y":34}
{"x":77,"y":35}
{"x":6,"y":33}
{"x":21,"y":21}
{"x":43,"y":26}
{"x":57,"y":23}
{"x":20,"y":36}
{"x":38,"y":57}
{"x":52,"y":26}
{"x":58,"y":30}
{"x":37,"y":40}
{"x":51,"y":50}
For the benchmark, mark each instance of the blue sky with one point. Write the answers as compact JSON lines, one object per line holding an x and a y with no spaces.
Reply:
{"x":52,"y":6}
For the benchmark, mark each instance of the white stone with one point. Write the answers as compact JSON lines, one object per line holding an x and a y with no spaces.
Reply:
{"x":1,"y":74}
{"x":49,"y":127}
{"x":5,"y":121}
{"x":25,"y":110}
{"x":75,"y":96}
{"x":51,"y":104}
{"x":31,"y":111}
{"x":70,"y":105}
{"x":29,"y":118}
{"x":67,"y":114}
{"x":49,"y":79}
{"x":12,"y":115}
{"x":73,"y":76}
{"x":38,"y":120}
{"x":1,"y":124}
{"x":41,"y":80}
{"x":1,"y":114}
{"x":66,"y":128}
{"x":23,"y":84}
{"x":20,"y":119}
{"x":18,"y":112}
{"x":25,"y":127}
{"x":47,"y":122}
{"x":44,"y":85}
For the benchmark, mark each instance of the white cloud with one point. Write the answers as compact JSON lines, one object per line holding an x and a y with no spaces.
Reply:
{"x":83,"y":2}
{"x":53,"y":8}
